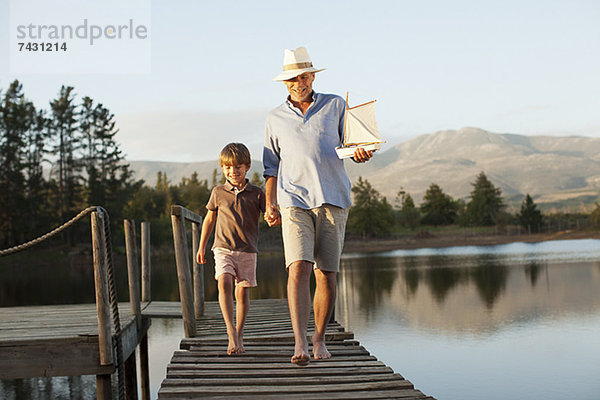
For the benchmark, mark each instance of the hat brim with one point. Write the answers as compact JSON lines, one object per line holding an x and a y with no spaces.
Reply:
{"x":292,"y":73}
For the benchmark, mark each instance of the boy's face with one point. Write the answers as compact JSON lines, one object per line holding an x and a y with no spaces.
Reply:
{"x":236,"y":174}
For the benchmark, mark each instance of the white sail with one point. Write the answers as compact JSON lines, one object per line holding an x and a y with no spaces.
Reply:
{"x":360,"y":130}
{"x":361,"y":126}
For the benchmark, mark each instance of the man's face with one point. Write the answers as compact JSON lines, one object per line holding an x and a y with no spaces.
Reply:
{"x":300,"y":87}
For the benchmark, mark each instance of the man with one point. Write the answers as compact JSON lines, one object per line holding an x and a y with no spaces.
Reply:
{"x":308,"y":192}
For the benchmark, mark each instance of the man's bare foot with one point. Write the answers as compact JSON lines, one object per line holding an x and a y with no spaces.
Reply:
{"x":240,"y":347}
{"x":320,"y":351}
{"x":301,"y":356}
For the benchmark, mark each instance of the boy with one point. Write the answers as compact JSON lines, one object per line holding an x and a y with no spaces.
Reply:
{"x":235,"y":208}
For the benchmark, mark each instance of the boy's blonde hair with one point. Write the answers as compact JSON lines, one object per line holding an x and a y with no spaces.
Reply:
{"x":235,"y":154}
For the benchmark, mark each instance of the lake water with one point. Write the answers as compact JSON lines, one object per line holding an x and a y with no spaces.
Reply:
{"x":517,"y":321}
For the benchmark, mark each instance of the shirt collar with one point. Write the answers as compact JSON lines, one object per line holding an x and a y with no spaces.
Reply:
{"x":314,"y":96}
{"x":231,"y":188}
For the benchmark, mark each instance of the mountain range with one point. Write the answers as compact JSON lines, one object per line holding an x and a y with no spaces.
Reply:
{"x":558,"y":172}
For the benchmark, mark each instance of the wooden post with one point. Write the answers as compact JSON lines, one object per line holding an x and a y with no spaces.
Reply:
{"x":183,"y":275}
{"x":131,"y":392}
{"x":133,"y":273}
{"x":103,"y":382}
{"x":146,"y":296}
{"x":144,"y":366}
{"x":198,"y":273}
{"x":146,"y":267}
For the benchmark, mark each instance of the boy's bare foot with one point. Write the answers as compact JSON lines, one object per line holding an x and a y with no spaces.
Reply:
{"x":320,"y":351}
{"x":233,"y":346}
{"x":301,"y":356}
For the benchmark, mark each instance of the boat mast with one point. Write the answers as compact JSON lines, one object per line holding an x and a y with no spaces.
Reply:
{"x":345,"y":117}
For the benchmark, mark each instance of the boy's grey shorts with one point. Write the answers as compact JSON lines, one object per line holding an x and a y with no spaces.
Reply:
{"x":315,"y":235}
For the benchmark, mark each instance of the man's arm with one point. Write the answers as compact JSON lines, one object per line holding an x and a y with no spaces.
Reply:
{"x":272,"y":215}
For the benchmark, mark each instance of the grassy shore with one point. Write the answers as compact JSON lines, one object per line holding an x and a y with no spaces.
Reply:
{"x":459,"y":237}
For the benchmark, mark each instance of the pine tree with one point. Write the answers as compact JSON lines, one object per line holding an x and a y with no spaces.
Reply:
{"x":595,"y":215}
{"x":370,"y":215}
{"x":164,"y":194}
{"x":437,"y":208}
{"x":17,"y":119}
{"x":35,"y":186}
{"x":193,"y":194}
{"x":408,"y":215}
{"x":108,"y":176}
{"x":66,"y":143}
{"x":214,"y":181}
{"x":530,"y":217}
{"x":486,"y":202}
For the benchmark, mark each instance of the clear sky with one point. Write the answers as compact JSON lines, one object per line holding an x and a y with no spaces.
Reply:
{"x":526,"y":67}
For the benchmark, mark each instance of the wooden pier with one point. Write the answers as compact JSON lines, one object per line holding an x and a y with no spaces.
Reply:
{"x":202,"y":369}
{"x":82,"y":339}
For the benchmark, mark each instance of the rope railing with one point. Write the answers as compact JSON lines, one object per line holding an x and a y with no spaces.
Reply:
{"x":112,"y":288}
{"x":51,"y":234}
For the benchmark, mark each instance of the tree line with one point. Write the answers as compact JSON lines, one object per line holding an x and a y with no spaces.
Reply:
{"x":60,"y":160}
{"x":55,"y":162}
{"x":371,"y":215}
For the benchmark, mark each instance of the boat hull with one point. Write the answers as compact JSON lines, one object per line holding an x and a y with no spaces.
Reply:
{"x":348,"y":151}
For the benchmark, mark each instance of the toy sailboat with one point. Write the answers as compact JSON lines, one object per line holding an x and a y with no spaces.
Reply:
{"x":360,"y":130}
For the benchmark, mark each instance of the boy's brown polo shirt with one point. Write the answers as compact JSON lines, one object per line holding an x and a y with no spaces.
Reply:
{"x":237,"y":216}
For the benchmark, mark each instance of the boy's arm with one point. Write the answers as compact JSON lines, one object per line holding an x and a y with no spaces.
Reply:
{"x":272,"y":215}
{"x":207,"y":227}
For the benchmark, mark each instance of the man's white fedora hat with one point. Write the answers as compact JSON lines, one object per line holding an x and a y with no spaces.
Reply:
{"x":296,"y":62}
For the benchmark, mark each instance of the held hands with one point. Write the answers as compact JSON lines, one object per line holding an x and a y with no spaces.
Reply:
{"x":272,"y":216}
{"x":361,"y":155}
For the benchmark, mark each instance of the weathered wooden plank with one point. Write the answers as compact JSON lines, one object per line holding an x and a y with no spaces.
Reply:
{"x":250,"y":347}
{"x":191,"y":372}
{"x":235,"y":390}
{"x":318,"y":364}
{"x":224,"y":359}
{"x":77,"y":356}
{"x":268,"y":352}
{"x":335,"y":379}
{"x":285,"y":336}
{"x":373,"y":394}
{"x":200,"y":342}
{"x":185,"y":213}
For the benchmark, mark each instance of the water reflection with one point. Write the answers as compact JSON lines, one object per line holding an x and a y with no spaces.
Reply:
{"x":26,"y":281}
{"x":532,"y":270}
{"x":534,"y":309}
{"x":57,"y":388}
{"x":466,"y":289}
{"x":528,"y":313}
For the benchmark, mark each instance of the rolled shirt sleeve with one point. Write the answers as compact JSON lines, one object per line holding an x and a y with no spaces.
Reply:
{"x":270,"y":153}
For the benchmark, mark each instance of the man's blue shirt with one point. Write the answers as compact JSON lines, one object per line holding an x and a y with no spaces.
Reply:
{"x":300,"y":151}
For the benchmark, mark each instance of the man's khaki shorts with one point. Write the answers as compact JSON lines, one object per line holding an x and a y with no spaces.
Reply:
{"x":315,"y":235}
